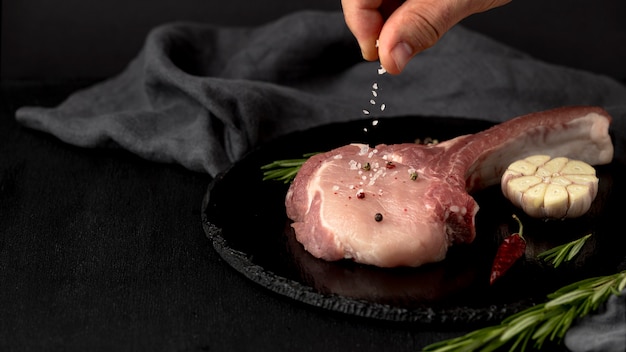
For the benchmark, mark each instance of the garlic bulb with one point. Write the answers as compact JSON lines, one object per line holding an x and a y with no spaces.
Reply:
{"x":550,"y":188}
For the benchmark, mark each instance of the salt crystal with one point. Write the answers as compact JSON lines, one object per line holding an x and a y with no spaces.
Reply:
{"x":374,"y":93}
{"x":365,"y":112}
{"x":372,"y":101}
{"x":382,"y":107}
{"x":375,"y":122}
{"x":381,"y":70}
{"x":375,"y":86}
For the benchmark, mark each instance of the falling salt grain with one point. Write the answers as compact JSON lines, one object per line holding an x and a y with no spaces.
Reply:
{"x":375,"y":122}
{"x":381,"y":70}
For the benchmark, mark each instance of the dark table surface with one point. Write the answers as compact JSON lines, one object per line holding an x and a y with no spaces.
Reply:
{"x":101,"y":250}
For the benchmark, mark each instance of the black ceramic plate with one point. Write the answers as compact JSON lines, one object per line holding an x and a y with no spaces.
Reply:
{"x":245,"y":219}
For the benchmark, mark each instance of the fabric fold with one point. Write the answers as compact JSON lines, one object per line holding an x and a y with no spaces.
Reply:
{"x":202,"y":96}
{"x":603,"y":331}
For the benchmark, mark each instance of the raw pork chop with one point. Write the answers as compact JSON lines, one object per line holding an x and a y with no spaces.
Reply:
{"x":405,"y":204}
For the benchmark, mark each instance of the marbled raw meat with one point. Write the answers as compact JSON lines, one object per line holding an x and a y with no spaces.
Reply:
{"x":411,"y":202}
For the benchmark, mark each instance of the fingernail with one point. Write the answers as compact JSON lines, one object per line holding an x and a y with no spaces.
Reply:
{"x":401,"y":54}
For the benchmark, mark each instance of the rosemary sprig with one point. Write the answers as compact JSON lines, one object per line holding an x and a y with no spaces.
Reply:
{"x":284,"y":170}
{"x":564,"y":252}
{"x":543,"y":322}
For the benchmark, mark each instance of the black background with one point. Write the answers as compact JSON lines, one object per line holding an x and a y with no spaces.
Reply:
{"x":96,"y":38}
{"x":103,"y":251}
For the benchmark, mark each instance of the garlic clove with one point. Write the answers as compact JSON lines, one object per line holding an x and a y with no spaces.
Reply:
{"x":555,"y":201}
{"x":519,"y":185}
{"x":580,"y":199}
{"x":532,"y":200}
{"x":523,"y":167}
{"x":575,"y":167}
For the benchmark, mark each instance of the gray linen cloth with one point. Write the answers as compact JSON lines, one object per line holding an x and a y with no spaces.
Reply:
{"x":202,"y":96}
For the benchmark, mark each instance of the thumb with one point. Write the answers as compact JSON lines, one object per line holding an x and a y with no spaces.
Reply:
{"x":419,"y":24}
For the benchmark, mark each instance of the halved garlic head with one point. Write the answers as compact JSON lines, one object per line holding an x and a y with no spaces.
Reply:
{"x":550,"y":188}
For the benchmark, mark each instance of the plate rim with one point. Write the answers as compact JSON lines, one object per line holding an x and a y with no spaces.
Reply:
{"x":294,"y":290}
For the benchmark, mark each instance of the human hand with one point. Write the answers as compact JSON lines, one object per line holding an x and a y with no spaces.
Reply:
{"x":394,"y":31}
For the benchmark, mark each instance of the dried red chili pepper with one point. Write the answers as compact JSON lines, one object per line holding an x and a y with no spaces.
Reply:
{"x":510,"y":250}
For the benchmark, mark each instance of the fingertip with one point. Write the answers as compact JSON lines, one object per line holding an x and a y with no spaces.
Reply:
{"x":369,"y":51}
